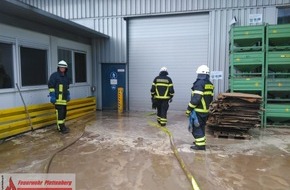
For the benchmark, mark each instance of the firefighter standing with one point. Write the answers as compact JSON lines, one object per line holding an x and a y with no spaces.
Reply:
{"x":201,"y":97}
{"x":58,"y":85}
{"x":162,"y":92}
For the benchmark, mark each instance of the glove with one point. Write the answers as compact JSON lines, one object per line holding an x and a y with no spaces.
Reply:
{"x":170,"y":100}
{"x":52,"y":97}
{"x":193,"y":119}
{"x":187,"y":113}
{"x":68,"y":96}
{"x":153,"y":103}
{"x":190,"y":128}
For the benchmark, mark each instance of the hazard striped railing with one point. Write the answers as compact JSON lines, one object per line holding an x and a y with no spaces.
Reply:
{"x":14,"y":121}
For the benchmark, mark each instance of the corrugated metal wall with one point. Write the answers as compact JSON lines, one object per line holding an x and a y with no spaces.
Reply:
{"x":75,"y":9}
{"x":106,"y":16}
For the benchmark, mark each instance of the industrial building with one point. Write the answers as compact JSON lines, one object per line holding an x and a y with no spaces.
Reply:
{"x":114,"y":46}
{"x":126,"y":43}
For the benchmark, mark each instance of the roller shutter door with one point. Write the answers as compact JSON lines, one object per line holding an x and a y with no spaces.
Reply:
{"x":178,"y":42}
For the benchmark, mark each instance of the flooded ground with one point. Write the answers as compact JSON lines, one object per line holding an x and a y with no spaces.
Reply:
{"x":121,"y":152}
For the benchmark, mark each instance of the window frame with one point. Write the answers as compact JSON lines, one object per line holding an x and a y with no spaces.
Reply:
{"x":70,"y":65}
{"x":32,"y":46}
{"x":283,"y":9}
{"x":11,"y":42}
{"x":73,"y":65}
{"x":86,"y":66}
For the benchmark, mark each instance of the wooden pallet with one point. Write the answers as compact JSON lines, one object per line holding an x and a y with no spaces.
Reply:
{"x":232,"y":135}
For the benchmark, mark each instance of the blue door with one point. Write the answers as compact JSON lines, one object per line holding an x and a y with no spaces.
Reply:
{"x":113,"y":77}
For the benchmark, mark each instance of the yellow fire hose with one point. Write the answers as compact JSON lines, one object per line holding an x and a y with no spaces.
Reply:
{"x":181,"y":162}
{"x":189,"y":176}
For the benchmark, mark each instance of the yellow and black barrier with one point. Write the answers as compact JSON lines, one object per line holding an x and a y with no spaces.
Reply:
{"x":14,"y":121}
{"x":120,"y":100}
{"x":189,"y":176}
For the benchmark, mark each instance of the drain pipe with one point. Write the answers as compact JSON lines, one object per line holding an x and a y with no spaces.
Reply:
{"x":27,"y":113}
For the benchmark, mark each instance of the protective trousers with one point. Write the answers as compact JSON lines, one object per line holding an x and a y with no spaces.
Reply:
{"x":60,"y":116}
{"x":162,"y":108}
{"x":198,"y":132}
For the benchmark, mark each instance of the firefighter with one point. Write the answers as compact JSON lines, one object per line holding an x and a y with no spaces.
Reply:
{"x":58,"y":85}
{"x":162,"y":92}
{"x":201,"y":97}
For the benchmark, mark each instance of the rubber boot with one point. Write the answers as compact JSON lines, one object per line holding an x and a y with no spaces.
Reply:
{"x":64,"y":129}
{"x":198,"y":147}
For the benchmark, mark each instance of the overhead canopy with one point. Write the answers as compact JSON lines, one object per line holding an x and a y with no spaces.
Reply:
{"x":15,"y":13}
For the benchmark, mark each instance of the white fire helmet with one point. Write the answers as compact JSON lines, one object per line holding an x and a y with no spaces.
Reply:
{"x":62,"y":63}
{"x":163,"y":69}
{"x":203,"y":69}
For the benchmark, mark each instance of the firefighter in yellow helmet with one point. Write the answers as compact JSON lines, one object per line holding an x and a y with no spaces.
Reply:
{"x":58,"y":85}
{"x":162,"y":92}
{"x":198,"y":107}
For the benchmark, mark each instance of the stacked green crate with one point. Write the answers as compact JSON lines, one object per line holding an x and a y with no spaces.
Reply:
{"x":277,"y":70}
{"x":247,"y":60}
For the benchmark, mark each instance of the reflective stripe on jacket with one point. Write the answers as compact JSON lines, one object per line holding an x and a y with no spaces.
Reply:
{"x":59,"y":83}
{"x":162,"y":87}
{"x":201,"y":95}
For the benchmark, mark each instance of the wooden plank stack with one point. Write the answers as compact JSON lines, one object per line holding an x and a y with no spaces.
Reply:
{"x":233,"y":114}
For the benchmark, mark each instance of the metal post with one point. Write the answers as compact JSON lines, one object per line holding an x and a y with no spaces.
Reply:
{"x":120,"y":100}
{"x":27,"y":113}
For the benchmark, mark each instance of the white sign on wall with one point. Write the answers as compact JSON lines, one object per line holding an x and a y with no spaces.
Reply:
{"x":216,"y":75}
{"x":255,"y":18}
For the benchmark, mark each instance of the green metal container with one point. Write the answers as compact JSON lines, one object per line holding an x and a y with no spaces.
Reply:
{"x":278,"y":61}
{"x":247,"y":38}
{"x":278,"y":84}
{"x":250,"y":84}
{"x":278,"y":37}
{"x":277,"y":113}
{"x":248,"y":62}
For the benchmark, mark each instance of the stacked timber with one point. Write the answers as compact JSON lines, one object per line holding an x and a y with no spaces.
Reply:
{"x":235,"y":113}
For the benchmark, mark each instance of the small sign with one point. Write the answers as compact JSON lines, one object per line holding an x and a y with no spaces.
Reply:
{"x":113,"y":75}
{"x":121,"y":70}
{"x":113,"y":81}
{"x":255,"y":18}
{"x":216,"y":75}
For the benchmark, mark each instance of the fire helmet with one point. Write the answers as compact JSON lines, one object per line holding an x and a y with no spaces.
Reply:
{"x":62,"y":63}
{"x":163,"y":69}
{"x":203,"y":69}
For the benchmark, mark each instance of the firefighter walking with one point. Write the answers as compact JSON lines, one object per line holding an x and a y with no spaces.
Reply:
{"x":201,"y":97}
{"x":58,"y":85}
{"x":162,"y":92}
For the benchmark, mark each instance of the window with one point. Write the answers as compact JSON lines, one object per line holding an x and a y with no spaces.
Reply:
{"x":6,"y":66}
{"x":66,"y":55}
{"x":77,"y":64}
{"x":284,"y":15}
{"x":33,"y":66}
{"x":80,"y":67}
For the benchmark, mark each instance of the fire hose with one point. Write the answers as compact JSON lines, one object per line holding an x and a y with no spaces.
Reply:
{"x":189,"y":176}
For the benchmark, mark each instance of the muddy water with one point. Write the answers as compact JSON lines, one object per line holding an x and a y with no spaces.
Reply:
{"x":109,"y":151}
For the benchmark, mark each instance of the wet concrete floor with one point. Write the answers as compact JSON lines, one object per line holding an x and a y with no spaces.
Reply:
{"x":110,"y":151}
